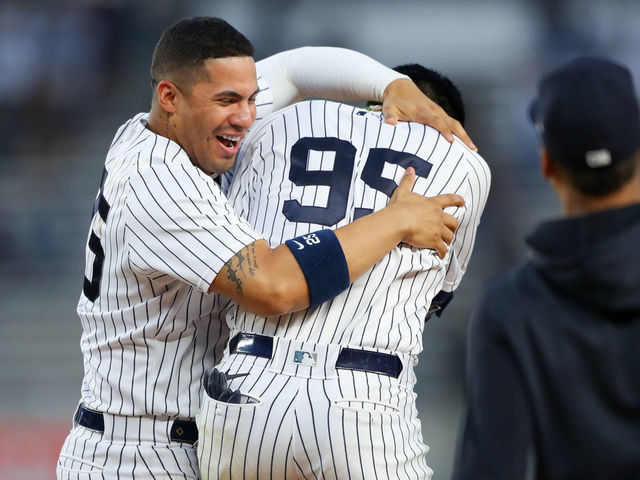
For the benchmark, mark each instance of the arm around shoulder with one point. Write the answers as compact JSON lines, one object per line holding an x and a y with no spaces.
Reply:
{"x":265,"y":280}
{"x":346,"y":75}
{"x":270,"y":281}
{"x":325,"y":72}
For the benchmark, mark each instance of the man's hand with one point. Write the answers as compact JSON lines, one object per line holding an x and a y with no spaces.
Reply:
{"x":404,"y":101}
{"x":430,"y":226}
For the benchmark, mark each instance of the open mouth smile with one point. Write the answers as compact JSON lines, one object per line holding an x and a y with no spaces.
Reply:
{"x":228,"y":141}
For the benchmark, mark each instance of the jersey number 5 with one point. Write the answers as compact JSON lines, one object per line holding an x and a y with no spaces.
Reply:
{"x":339,"y":179}
{"x":91,"y":288}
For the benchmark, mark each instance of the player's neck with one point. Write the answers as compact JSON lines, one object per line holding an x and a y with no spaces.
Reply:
{"x":575,"y":203}
{"x":157,"y":122}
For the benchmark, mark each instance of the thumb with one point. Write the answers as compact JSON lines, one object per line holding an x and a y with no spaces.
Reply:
{"x":391,"y":120}
{"x":390,"y":114}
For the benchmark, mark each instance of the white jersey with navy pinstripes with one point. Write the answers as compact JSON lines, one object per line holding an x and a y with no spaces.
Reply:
{"x":162,"y":231}
{"x":322,"y":164}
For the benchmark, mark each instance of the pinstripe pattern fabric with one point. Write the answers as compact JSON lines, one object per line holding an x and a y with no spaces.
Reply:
{"x":130,"y":447}
{"x":322,"y":422}
{"x":312,"y":421}
{"x":386,"y":307}
{"x":162,"y":232}
{"x":168,"y":233}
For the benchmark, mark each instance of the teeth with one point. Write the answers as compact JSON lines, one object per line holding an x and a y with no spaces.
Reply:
{"x":231,"y":139}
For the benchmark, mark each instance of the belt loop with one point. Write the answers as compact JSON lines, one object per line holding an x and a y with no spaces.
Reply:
{"x":90,"y":419}
{"x":184,"y":431}
{"x":369,"y":361}
{"x":251,"y":344}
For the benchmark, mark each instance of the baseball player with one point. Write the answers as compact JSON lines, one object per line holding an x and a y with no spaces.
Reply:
{"x":163,"y":237}
{"x":328,"y":392}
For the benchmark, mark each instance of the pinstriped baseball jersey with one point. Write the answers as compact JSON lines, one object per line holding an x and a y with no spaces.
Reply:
{"x":320,"y":165}
{"x":161,"y":230}
{"x":166,"y":234}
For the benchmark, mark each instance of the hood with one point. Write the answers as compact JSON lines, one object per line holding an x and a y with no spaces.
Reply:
{"x":594,"y":258}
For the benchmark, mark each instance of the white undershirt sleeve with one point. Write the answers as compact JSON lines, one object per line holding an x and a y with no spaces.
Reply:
{"x":324,"y":72}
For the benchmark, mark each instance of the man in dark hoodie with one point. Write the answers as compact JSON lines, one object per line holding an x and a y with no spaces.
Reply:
{"x":553,"y":372}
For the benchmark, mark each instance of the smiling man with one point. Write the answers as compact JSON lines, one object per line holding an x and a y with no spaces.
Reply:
{"x":209,"y":118}
{"x":163,"y":237}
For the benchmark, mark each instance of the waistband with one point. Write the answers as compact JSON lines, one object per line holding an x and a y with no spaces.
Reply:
{"x":347,"y":358}
{"x":137,"y":429}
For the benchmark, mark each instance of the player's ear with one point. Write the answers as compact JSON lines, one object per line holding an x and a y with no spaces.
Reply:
{"x":167,"y":94}
{"x":546,"y":165}
{"x":552,"y":172}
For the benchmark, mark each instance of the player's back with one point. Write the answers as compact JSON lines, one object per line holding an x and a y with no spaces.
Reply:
{"x":320,"y":164}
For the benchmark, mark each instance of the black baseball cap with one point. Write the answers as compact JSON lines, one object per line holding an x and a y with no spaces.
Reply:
{"x":586,"y":113}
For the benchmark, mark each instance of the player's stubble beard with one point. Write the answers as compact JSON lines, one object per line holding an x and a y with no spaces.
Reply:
{"x":216,"y":170}
{"x":193,"y":161}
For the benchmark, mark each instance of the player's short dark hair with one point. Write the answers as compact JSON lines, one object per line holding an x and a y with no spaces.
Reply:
{"x":598,"y":182}
{"x":437,"y":87}
{"x":183,"y":47}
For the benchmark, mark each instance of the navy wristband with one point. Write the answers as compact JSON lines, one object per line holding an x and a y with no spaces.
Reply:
{"x":323,"y":264}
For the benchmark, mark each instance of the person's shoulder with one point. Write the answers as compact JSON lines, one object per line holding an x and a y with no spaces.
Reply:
{"x":457,"y":148}
{"x":317,"y":106}
{"x":135,"y":140}
{"x":163,"y":158}
{"x":473,"y":159}
{"x":503,"y":296}
{"x":131,"y":128}
{"x":266,"y":122}
{"x":295,"y":115}
{"x":503,"y":284}
{"x":132,"y":144}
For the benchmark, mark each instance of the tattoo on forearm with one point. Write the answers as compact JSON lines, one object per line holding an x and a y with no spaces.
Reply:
{"x":242,"y":264}
{"x":232,"y":276}
{"x":252,"y":260}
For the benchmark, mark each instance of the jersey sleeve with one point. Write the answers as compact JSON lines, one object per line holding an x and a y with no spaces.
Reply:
{"x":475,"y":190}
{"x":178,"y":223}
{"x":323,"y":72}
{"x":264,"y":99}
